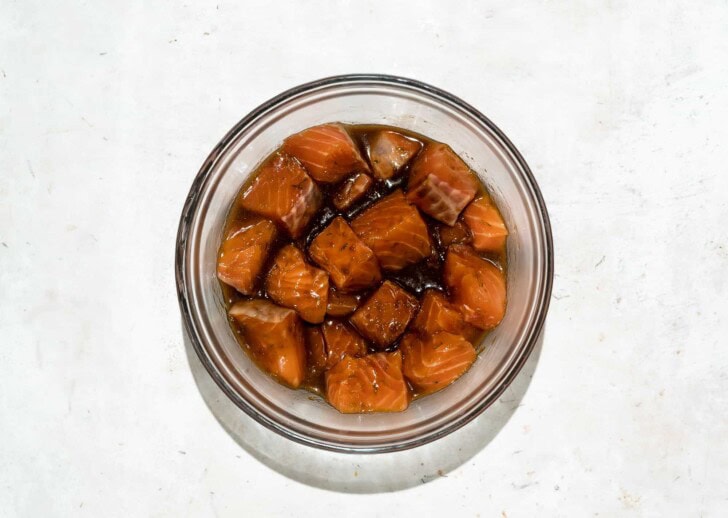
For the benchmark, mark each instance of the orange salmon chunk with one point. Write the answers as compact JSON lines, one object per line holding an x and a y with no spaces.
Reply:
{"x":351,"y":264}
{"x":385,"y":315}
{"x":478,"y":287}
{"x":389,"y":152}
{"x":440,"y":183}
{"x":341,"y":340}
{"x":341,"y":304}
{"x":284,"y":192}
{"x":351,"y":190}
{"x":450,"y":235}
{"x":485,"y":222}
{"x":327,"y":152}
{"x":295,"y":284}
{"x":437,"y":314}
{"x":432,"y":363}
{"x":395,"y":232}
{"x":373,"y":383}
{"x":316,"y":351}
{"x":243,"y":254}
{"x":275,"y":338}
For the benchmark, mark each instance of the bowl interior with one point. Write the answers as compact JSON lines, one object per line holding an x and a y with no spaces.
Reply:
{"x":299,"y":414}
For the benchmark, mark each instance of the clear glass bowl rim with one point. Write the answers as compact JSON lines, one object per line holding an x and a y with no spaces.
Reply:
{"x":191,"y":205}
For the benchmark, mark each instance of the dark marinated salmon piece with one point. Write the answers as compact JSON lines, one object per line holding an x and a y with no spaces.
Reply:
{"x":295,"y":284}
{"x":327,"y":152}
{"x":440,"y":183}
{"x":385,"y":315}
{"x":341,"y":304}
{"x":437,"y":314}
{"x":316,"y":349}
{"x":450,"y":235}
{"x":485,"y":222}
{"x":395,"y":232}
{"x":283,"y":192}
{"x":432,"y":363}
{"x":275,"y":338}
{"x":243,"y":254}
{"x":351,"y":264}
{"x":351,"y":190}
{"x":478,"y":288}
{"x":373,"y":383}
{"x":389,"y":151}
{"x":341,"y":340}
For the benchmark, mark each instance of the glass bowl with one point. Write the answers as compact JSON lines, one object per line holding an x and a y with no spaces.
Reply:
{"x":371,"y":99}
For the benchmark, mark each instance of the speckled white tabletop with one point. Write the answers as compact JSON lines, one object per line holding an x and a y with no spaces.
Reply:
{"x":107,"y":109}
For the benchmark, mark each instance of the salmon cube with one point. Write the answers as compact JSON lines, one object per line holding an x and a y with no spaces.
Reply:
{"x":432,"y":363}
{"x":341,"y":340}
{"x":327,"y":152}
{"x":478,"y":287}
{"x":352,"y":190}
{"x":283,"y":192}
{"x":437,"y":314}
{"x":389,"y":152}
{"x":316,"y":351}
{"x":341,"y":304}
{"x":373,"y":383}
{"x":295,"y":284}
{"x":459,"y":233}
{"x":485,"y":222}
{"x":440,"y":183}
{"x":395,"y":232}
{"x":385,"y":315}
{"x":275,"y":338}
{"x":243,"y":254}
{"x":351,"y":264}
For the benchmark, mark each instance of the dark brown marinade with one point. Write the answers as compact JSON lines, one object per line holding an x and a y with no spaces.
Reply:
{"x":415,"y":278}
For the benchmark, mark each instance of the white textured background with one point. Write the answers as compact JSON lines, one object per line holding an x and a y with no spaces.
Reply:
{"x":107,"y":109}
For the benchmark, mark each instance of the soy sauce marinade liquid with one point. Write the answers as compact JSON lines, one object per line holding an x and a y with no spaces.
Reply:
{"x":416,"y":278}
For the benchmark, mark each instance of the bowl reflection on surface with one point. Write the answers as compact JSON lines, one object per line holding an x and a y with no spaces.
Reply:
{"x":361,"y":473}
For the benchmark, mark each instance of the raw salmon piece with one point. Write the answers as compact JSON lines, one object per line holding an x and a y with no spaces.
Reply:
{"x":284,"y":192}
{"x":485,"y":222}
{"x":316,"y":349}
{"x":437,"y":314}
{"x":295,"y":284}
{"x":275,"y":338}
{"x":385,"y":315}
{"x":351,"y":190}
{"x":373,"y":383}
{"x":341,"y":341}
{"x":434,"y":362}
{"x":389,"y":152}
{"x":327,"y":152}
{"x":243,"y":254}
{"x":351,"y":264}
{"x":341,"y":304}
{"x":395,"y":232}
{"x":458,"y":233}
{"x":440,"y":183}
{"x":477,"y":286}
